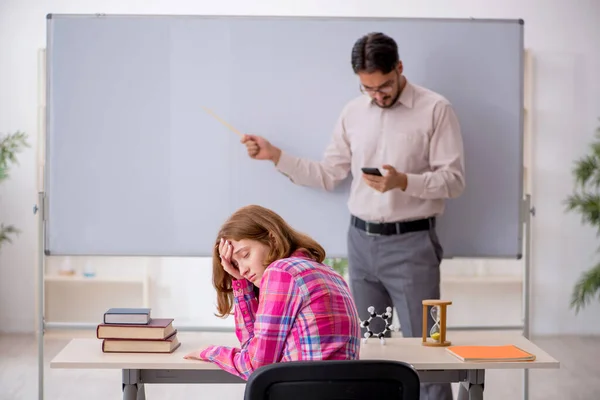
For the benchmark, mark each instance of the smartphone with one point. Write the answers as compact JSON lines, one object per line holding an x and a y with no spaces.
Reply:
{"x":371,"y":171}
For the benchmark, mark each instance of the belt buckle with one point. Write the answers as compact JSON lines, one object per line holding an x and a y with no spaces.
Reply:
{"x":367,"y":223}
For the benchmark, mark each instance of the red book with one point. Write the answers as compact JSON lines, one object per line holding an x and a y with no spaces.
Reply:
{"x":157,"y":328}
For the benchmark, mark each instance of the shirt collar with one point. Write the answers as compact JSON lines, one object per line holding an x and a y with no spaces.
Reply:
{"x":300,"y":253}
{"x":407,"y":97}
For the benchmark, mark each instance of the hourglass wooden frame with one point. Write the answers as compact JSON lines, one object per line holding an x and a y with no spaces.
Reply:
{"x":442,"y":304}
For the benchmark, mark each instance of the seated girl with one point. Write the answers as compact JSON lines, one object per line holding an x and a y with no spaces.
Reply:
{"x":288,"y":306}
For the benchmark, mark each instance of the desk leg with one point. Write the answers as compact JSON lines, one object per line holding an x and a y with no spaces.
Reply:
{"x":133,"y":388}
{"x":134,"y":392}
{"x":141,"y":394}
{"x":130,"y":392}
{"x":472,"y":387}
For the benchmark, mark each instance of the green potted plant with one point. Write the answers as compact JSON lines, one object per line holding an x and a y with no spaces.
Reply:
{"x":585,"y":200}
{"x":10,"y":145}
{"x":338,"y":264}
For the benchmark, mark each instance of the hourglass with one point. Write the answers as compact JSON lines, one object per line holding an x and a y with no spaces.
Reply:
{"x":437,"y":334}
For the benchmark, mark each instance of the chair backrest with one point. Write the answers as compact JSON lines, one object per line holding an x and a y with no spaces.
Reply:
{"x":334,"y":380}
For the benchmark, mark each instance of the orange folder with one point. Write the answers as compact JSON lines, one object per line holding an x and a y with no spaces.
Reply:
{"x":490,"y":353}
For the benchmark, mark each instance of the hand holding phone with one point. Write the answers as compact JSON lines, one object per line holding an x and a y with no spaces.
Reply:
{"x":371,"y":171}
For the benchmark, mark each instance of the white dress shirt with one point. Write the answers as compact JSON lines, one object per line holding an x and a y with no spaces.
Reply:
{"x":419,"y":135}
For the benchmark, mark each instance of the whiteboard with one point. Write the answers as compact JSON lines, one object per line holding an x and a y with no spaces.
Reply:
{"x":135,"y":167}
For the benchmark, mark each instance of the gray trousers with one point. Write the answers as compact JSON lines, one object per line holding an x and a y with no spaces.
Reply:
{"x":397,"y":271}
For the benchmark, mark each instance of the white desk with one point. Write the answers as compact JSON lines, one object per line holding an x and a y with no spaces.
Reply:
{"x":434,"y":364}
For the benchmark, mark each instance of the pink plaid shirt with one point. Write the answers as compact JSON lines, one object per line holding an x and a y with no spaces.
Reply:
{"x":305,"y":312}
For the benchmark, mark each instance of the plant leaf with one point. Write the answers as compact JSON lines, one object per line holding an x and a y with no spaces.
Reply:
{"x":10,"y":145}
{"x":585,"y":168}
{"x":6,"y":232}
{"x":586,"y":288}
{"x":586,"y":204}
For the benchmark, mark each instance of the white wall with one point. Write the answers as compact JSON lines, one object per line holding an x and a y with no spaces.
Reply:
{"x":562,"y":36}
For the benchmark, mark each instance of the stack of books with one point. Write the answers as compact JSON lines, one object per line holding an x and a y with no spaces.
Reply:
{"x":132,"y":330}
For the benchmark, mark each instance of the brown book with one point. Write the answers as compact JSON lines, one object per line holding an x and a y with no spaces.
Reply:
{"x":167,"y":345}
{"x":159,"y":328}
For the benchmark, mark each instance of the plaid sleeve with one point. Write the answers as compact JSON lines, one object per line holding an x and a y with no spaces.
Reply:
{"x":280,"y":302}
{"x":245,"y":305}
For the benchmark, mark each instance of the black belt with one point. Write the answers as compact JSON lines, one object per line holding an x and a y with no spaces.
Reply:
{"x":393,"y":228}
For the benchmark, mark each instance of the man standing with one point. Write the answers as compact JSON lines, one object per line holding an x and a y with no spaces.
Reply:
{"x":413,"y":134}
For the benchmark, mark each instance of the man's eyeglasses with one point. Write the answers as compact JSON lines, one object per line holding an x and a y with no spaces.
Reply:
{"x":383,"y":90}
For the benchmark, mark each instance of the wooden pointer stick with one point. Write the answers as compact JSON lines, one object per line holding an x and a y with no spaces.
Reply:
{"x":223,"y":122}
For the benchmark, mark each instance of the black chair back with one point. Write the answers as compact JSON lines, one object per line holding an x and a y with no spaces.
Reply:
{"x":334,"y":380}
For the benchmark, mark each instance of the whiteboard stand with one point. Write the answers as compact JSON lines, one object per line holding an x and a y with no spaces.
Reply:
{"x":528,"y":212}
{"x":41,"y":136}
{"x":40,"y":292}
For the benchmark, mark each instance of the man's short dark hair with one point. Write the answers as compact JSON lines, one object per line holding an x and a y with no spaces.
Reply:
{"x":375,"y":52}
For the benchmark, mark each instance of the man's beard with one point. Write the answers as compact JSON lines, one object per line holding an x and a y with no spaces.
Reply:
{"x":395,"y":99}
{"x":385,"y":99}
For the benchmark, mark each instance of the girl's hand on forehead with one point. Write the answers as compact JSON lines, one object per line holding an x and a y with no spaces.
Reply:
{"x":226,"y":252}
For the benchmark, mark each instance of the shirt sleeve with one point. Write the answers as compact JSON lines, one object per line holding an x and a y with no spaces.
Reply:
{"x":327,"y":173}
{"x":278,"y":306}
{"x":245,"y":306}
{"x":446,"y":157}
